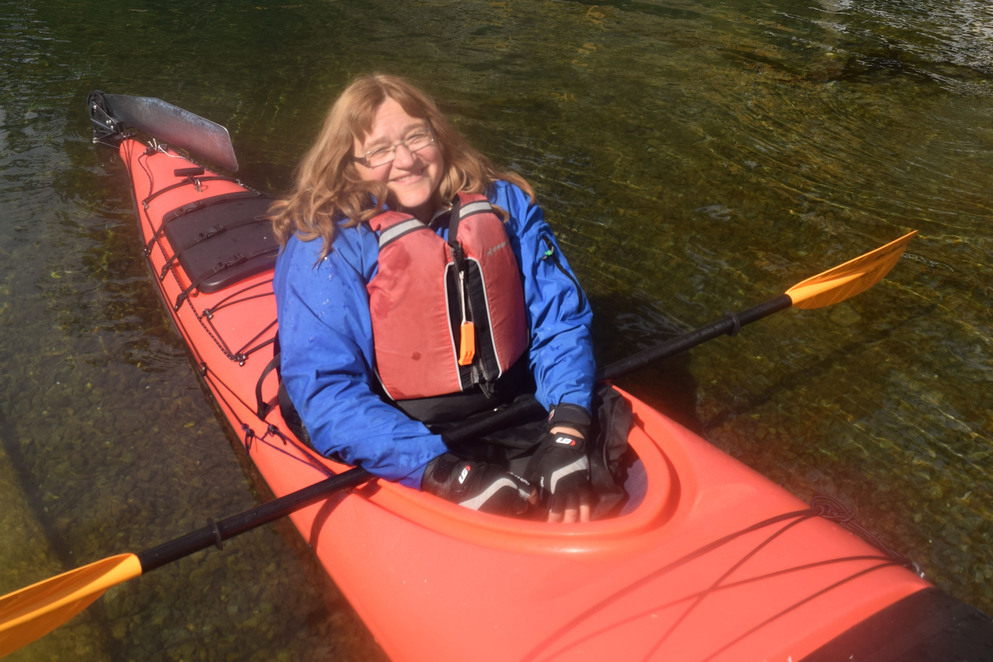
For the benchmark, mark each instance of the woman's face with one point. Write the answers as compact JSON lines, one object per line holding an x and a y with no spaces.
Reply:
{"x":413,"y":177}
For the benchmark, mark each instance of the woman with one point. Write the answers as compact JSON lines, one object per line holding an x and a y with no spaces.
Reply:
{"x":418,"y":285}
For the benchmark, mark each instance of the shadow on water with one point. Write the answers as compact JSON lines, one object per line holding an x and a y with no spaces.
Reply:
{"x":626,"y":327}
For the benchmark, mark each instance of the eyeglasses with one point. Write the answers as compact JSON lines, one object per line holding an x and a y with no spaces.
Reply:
{"x":414,"y":142}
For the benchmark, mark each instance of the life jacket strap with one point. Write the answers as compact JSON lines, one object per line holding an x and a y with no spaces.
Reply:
{"x":398,"y":230}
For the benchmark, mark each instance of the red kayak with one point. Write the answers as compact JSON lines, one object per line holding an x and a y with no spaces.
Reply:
{"x":714,"y":563}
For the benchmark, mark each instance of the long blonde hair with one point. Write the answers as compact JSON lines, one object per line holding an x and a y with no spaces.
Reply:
{"x":328,"y":188}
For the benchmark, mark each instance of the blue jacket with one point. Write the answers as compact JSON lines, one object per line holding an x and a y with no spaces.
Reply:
{"x":327,"y":357}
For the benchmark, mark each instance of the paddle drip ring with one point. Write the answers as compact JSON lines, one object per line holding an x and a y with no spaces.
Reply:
{"x":218,"y":539}
{"x":735,"y":321}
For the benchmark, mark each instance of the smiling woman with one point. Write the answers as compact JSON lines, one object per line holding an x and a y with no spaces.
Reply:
{"x":451,"y":308}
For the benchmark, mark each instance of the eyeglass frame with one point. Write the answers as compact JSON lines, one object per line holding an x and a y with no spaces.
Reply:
{"x":392,"y":148}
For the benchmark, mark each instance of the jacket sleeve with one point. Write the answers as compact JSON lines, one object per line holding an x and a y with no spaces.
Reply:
{"x":326,"y":359}
{"x":559,"y":314}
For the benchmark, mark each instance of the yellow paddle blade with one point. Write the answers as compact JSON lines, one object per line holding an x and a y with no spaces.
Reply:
{"x":32,"y":612}
{"x":851,"y":278}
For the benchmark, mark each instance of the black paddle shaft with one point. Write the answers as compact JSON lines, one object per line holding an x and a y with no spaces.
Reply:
{"x":529,"y":409}
{"x":729,"y":324}
{"x":217,"y":532}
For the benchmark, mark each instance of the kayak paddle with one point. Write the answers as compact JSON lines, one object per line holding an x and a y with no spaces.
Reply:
{"x":32,"y":612}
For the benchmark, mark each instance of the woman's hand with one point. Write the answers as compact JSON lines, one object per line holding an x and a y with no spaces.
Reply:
{"x":560,"y":469}
{"x":477,"y":485}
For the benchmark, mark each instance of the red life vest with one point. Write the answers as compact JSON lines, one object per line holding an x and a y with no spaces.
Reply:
{"x":429,"y":296}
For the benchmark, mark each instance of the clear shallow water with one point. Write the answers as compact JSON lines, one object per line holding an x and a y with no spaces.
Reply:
{"x":693,"y":158}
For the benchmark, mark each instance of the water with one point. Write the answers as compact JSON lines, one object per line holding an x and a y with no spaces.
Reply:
{"x":694,"y":157}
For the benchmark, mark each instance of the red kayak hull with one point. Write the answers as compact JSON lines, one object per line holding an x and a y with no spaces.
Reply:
{"x":715,"y":563}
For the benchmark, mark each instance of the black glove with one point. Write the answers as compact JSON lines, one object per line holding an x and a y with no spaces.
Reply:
{"x":560,"y":467}
{"x":477,"y":485}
